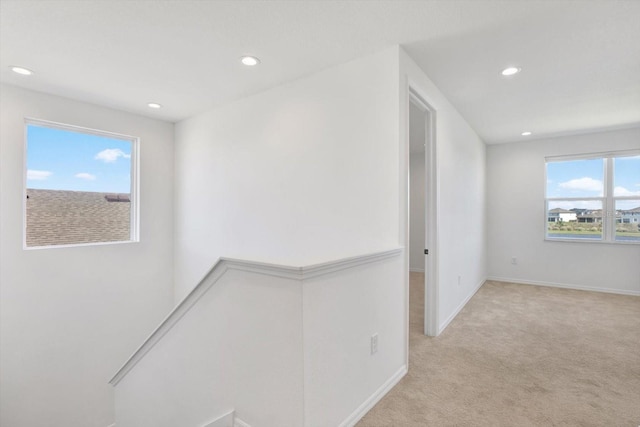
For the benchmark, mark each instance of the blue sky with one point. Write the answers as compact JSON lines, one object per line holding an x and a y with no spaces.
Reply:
{"x":575,"y":178}
{"x":627,"y":175}
{"x":585,"y":178}
{"x":64,"y":160}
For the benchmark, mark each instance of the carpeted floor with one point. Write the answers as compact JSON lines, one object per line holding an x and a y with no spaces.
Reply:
{"x":521,"y":355}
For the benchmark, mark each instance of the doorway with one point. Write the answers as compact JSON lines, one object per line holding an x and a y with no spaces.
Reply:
{"x":422,"y":233}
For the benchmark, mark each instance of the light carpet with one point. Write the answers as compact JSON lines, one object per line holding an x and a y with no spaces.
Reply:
{"x":520,"y":355}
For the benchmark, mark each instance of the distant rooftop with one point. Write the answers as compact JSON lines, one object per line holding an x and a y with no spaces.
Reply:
{"x":56,"y":217}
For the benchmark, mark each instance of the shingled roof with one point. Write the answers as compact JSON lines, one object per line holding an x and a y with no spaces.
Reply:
{"x":56,"y":217}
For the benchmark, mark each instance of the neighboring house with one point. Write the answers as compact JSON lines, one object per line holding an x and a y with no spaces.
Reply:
{"x":561,"y":215}
{"x":594,"y":216}
{"x":631,"y":216}
{"x":57,"y":217}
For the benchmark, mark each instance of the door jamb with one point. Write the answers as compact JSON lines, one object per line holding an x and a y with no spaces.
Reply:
{"x":431,"y":326}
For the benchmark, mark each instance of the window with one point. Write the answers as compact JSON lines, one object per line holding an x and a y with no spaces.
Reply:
{"x":594,"y":198}
{"x":80,"y":186}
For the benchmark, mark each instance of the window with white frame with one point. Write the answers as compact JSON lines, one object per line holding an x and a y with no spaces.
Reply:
{"x":80,"y":186}
{"x":594,"y":197}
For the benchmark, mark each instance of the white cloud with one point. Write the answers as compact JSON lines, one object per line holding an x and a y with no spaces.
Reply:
{"x":623,"y":192}
{"x":84,"y":175}
{"x":36,"y":175}
{"x":584,"y":184}
{"x":110,"y":155}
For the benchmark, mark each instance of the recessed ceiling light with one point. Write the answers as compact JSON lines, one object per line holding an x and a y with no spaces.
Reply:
{"x":21,"y":70}
{"x":154,"y":105}
{"x":510,"y":71}
{"x":249,"y":61}
{"x":527,"y":133}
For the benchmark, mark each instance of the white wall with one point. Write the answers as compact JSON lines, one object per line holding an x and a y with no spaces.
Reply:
{"x":305,"y":173}
{"x":238,"y":348}
{"x":341,"y":312}
{"x":461,"y":170}
{"x":417,"y":243}
{"x":280,"y":346}
{"x":516,"y":221}
{"x":302,"y":173}
{"x":71,"y":316}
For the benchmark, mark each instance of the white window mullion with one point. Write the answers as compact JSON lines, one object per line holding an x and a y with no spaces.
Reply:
{"x":609,"y":227}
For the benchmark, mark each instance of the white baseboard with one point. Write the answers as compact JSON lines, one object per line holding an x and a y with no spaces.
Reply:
{"x":416,"y":270}
{"x":374,"y":398}
{"x":460,"y":307}
{"x":237,"y":422}
{"x":564,"y":285}
{"x":225,"y":420}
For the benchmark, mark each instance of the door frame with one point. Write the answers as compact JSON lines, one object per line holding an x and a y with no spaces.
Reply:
{"x":431,"y":323}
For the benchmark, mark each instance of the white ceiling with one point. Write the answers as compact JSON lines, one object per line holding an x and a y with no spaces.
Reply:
{"x":580,"y":59}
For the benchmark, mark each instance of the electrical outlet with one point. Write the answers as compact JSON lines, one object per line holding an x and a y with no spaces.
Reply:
{"x":514,"y":260}
{"x":374,"y":344}
{"x":459,"y":280}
